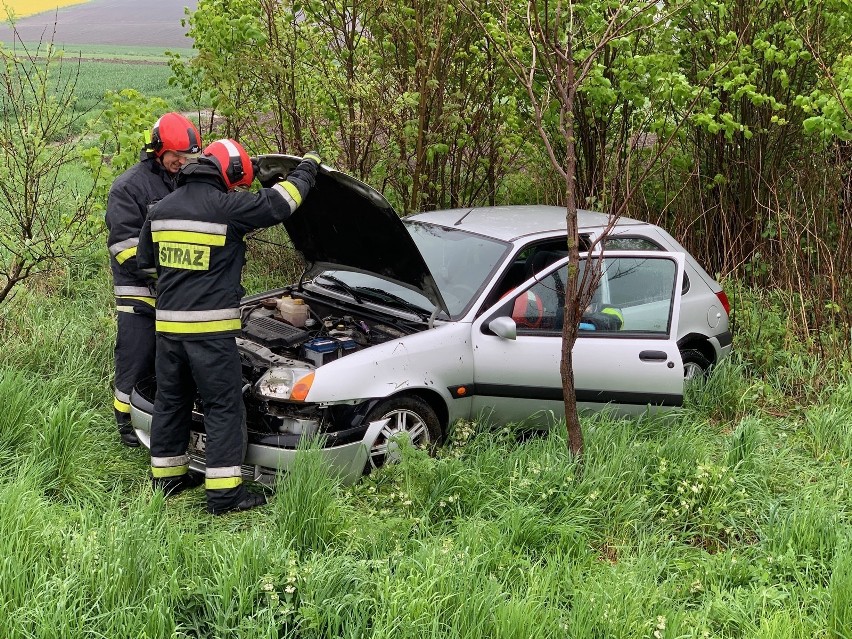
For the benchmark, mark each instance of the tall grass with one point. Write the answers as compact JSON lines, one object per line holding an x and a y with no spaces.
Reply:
{"x":730,"y":518}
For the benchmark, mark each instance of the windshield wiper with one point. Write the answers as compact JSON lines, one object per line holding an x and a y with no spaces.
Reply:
{"x":340,"y":284}
{"x":384,"y":296}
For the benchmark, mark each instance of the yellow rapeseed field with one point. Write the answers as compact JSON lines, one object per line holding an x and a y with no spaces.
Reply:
{"x":24,"y":8}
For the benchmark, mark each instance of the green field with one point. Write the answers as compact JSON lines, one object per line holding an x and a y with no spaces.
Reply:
{"x":97,"y":69}
{"x":124,"y":53}
{"x":98,"y":77}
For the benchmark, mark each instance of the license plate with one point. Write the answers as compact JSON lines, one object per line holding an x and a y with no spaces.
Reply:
{"x":197,"y":441}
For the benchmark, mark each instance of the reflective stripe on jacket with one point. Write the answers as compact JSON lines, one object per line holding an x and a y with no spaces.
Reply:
{"x":130,"y":195}
{"x":195,"y":239}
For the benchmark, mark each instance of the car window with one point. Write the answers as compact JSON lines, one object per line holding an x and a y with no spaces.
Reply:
{"x":461,"y":262}
{"x":634,"y":294}
{"x":629,"y":243}
{"x":528,"y":261}
{"x":623,"y":243}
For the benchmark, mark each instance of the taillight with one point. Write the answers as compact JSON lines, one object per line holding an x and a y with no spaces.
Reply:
{"x":723,"y":299}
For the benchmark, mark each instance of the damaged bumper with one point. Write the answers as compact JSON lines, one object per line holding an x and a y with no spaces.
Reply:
{"x":264,"y":462}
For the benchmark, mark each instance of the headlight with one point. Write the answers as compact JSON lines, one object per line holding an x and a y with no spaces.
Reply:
{"x":279,"y":383}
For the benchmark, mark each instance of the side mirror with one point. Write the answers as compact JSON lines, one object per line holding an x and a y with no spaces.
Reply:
{"x":504,"y":327}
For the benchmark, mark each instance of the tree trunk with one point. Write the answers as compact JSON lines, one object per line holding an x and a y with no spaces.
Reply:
{"x":571,"y":312}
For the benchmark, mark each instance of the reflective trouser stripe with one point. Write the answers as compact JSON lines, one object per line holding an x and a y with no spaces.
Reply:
{"x":169,"y":471}
{"x":121,"y":401}
{"x":125,"y":309}
{"x":222,"y":483}
{"x":169,"y":466}
{"x":223,"y":477}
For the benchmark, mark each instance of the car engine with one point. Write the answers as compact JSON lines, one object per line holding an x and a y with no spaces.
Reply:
{"x":326,"y":332}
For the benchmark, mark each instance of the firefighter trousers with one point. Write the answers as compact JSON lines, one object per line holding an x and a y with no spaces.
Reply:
{"x":211,"y":369}
{"x":135,"y":343}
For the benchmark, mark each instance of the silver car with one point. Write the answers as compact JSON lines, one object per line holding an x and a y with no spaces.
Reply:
{"x":406,"y":326}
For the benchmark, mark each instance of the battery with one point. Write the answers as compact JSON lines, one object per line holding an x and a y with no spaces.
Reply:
{"x":323,"y":350}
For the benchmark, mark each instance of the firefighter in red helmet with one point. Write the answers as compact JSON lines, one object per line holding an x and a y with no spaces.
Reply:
{"x":195,"y":238}
{"x":173,"y":140}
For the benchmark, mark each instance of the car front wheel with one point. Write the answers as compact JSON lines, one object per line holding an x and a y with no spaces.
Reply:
{"x":695,"y":365}
{"x":409,"y":416}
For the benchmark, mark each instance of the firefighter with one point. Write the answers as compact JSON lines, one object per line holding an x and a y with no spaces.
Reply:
{"x":172,"y":141}
{"x":195,"y":237}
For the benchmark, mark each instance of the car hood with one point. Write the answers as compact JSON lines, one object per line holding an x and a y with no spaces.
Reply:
{"x":346,"y":224}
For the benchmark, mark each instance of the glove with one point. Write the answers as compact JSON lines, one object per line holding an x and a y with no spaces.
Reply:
{"x":313,"y":155}
{"x":255,"y":166}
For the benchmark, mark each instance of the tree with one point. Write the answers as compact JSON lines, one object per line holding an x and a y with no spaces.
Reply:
{"x":404,"y":94}
{"x":45,"y":216}
{"x":564,"y":55}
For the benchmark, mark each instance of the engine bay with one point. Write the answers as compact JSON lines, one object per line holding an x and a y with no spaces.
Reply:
{"x":317,"y":335}
{"x":304,"y":331}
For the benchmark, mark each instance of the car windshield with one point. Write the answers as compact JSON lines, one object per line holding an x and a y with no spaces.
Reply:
{"x":461,"y":263}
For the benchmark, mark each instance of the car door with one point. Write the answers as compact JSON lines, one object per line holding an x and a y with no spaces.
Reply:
{"x":625,"y":357}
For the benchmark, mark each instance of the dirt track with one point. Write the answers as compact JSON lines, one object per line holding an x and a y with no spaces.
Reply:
{"x":153,"y":23}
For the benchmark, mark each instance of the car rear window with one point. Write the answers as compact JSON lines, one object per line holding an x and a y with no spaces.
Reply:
{"x":633,"y":243}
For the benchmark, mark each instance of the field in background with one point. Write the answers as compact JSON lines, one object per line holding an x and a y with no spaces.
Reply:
{"x":98,"y":77}
{"x":153,"y":23}
{"x":24,"y":8}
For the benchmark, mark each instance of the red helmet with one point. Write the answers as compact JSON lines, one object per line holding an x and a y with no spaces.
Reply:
{"x":528,"y":310}
{"x":232,"y":161}
{"x":174,"y":132}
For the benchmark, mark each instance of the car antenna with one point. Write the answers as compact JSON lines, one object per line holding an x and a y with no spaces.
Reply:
{"x":461,"y":219}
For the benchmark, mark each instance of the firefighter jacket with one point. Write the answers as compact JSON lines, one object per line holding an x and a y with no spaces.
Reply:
{"x":127,"y":207}
{"x":195,"y":238}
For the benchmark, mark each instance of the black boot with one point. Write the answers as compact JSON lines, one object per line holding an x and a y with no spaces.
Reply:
{"x":251,"y":500}
{"x":128,"y":436}
{"x":173,"y":485}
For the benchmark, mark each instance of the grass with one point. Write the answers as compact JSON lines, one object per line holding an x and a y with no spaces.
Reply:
{"x":731,"y":519}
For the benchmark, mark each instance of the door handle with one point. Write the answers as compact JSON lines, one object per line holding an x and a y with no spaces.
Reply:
{"x":653,"y":356}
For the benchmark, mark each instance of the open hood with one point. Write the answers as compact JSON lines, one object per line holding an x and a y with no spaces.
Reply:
{"x":346,"y":224}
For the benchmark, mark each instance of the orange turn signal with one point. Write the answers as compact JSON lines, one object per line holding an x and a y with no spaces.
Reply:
{"x":301,"y":388}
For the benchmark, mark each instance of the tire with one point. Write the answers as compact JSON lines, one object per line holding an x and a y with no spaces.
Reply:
{"x":407,"y":414}
{"x":695,"y":365}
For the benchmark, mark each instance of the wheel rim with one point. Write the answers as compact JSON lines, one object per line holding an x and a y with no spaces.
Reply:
{"x":691,"y":370}
{"x":400,"y":421}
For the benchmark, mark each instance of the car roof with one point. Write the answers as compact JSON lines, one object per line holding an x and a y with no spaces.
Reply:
{"x":509,"y":223}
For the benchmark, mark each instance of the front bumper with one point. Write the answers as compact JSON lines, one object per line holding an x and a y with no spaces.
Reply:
{"x":263,"y":463}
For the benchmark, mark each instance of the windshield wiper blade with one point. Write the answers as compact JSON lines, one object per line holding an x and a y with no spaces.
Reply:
{"x":384,"y":296}
{"x":340,"y":284}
